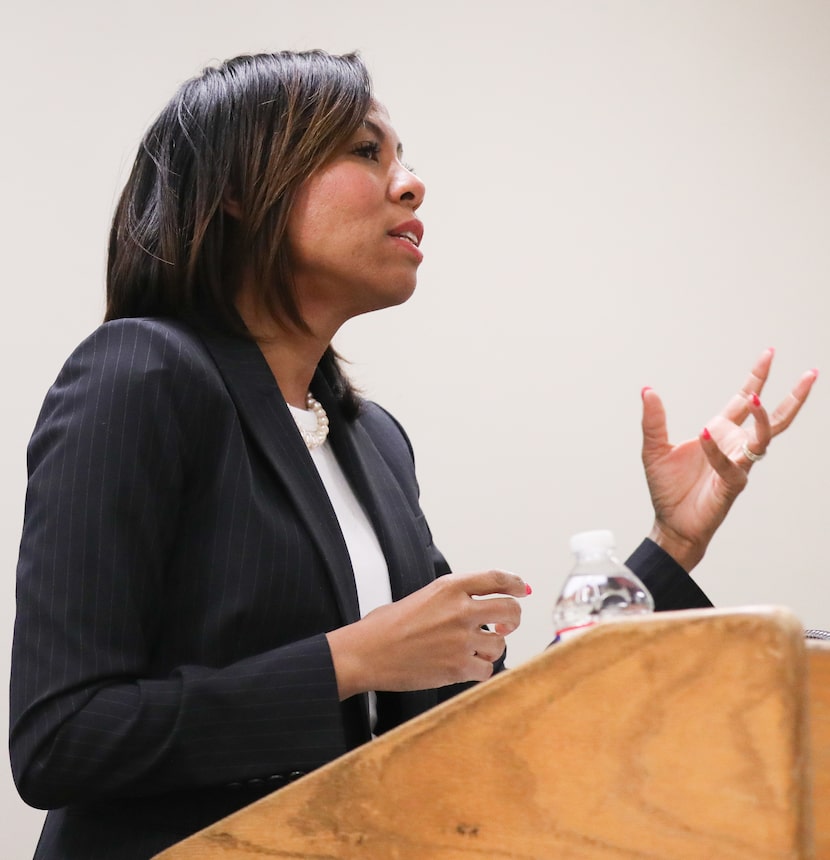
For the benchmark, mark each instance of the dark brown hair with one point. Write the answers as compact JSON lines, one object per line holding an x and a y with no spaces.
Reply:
{"x":254,"y":127}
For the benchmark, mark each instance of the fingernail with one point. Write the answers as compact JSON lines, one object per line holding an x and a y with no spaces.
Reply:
{"x":756,"y":400}
{"x":771,"y":350}
{"x":814,"y":371}
{"x":706,"y":434}
{"x":644,"y":389}
{"x":528,"y":589}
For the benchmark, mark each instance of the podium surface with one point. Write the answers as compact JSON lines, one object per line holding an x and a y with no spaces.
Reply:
{"x":691,"y":734}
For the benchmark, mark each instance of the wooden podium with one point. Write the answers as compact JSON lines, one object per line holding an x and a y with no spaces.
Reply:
{"x":700,"y":734}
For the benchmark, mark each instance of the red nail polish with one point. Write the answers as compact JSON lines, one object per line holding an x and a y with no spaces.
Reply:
{"x":706,"y":434}
{"x":756,"y":400}
{"x":528,"y":589}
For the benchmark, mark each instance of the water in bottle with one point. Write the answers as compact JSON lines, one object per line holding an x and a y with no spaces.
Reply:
{"x":598,"y":588}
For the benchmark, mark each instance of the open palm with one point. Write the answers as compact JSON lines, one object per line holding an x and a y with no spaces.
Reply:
{"x":693,"y":484}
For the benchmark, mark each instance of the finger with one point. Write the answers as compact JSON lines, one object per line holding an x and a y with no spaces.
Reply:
{"x":492,"y":582}
{"x":655,"y":433}
{"x":758,"y":375}
{"x":763,"y":431}
{"x":732,"y":473}
{"x":785,"y":413}
{"x":500,"y":611}
{"x":488,"y":646}
{"x":477,"y":668}
{"x":737,"y":409}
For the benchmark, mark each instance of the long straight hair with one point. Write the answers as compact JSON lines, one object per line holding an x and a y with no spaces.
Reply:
{"x":253,"y":128}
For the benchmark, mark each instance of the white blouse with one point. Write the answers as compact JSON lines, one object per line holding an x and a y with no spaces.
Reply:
{"x":368,"y":562}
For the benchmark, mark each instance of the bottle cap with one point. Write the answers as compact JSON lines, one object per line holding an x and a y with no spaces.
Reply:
{"x":601,"y":539}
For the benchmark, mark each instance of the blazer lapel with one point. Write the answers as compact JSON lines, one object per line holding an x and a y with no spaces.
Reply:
{"x":377,"y":488}
{"x":407,"y":558}
{"x":266,"y":416}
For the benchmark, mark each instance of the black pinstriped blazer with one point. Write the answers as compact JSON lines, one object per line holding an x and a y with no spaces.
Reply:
{"x":180,"y":564}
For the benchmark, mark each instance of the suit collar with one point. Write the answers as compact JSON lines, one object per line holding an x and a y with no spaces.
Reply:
{"x":265,"y":414}
{"x":263,"y":410}
{"x":380,"y":493}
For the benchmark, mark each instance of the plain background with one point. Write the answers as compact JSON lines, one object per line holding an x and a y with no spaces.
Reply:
{"x":619,"y":194}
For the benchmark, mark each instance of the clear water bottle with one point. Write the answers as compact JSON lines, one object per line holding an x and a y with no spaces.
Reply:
{"x":599,"y":587}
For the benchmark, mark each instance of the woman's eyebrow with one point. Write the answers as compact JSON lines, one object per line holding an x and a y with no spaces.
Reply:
{"x":381,"y":135}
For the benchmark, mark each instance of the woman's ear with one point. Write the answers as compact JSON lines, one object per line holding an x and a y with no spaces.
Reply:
{"x":230,"y":203}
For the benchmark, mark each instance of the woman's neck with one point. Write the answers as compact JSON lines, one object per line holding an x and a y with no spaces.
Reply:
{"x":293,"y":365}
{"x":292,"y":354}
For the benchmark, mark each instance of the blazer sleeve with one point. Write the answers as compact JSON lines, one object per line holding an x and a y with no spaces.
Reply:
{"x":669,"y":584}
{"x":109,"y":462}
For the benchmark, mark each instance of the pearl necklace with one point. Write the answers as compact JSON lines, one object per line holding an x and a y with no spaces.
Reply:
{"x":314,"y":438}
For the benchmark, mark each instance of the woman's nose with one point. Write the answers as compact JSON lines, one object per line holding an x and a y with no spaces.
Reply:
{"x":407,"y":187}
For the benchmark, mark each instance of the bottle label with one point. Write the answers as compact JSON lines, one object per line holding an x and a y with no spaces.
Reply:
{"x":572,"y":632}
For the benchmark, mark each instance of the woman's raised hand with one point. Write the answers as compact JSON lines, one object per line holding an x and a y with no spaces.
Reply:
{"x":430,"y":638}
{"x":693,"y":484}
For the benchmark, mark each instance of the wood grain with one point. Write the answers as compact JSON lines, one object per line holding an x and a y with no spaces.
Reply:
{"x":682,"y":735}
{"x":818,"y":665}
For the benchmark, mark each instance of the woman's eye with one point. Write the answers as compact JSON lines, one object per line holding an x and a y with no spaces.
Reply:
{"x":368,"y":149}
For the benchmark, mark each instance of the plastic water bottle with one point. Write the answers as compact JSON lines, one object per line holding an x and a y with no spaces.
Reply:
{"x":598,"y":588}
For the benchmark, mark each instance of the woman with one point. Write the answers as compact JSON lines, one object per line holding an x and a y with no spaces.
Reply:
{"x":225,"y":577}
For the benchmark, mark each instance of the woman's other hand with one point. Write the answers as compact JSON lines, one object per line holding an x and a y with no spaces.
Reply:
{"x":693,"y":484}
{"x":432,"y":637}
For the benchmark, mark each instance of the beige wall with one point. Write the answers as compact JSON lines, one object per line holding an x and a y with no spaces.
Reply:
{"x":619,"y":194}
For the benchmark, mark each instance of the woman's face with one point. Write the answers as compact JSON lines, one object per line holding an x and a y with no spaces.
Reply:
{"x":352,"y":232}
